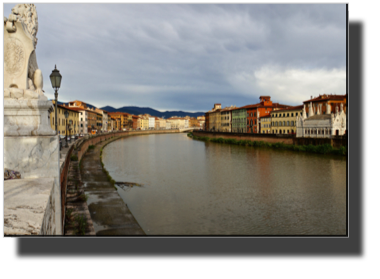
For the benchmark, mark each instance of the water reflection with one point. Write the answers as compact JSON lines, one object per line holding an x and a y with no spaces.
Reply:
{"x":200,"y":188}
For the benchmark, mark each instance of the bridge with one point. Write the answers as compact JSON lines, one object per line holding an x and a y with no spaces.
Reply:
{"x":189,"y":129}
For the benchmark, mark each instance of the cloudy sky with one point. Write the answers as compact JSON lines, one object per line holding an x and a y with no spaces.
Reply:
{"x":188,"y":57}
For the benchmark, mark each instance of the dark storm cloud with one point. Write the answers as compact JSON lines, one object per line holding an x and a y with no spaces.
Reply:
{"x":187,"y":57}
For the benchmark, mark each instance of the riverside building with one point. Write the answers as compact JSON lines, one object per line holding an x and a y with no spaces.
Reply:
{"x":265,"y":124}
{"x":71,"y":124}
{"x":322,"y":125}
{"x":239,"y":120}
{"x":259,"y":110}
{"x":326,"y":102}
{"x":214,"y":118}
{"x":226,"y":119}
{"x":284,"y":120}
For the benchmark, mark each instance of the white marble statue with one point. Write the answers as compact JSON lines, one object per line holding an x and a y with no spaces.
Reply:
{"x":25,"y":105}
{"x":21,"y":69}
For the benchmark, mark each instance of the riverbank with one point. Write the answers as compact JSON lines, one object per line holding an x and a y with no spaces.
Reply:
{"x":109,"y":214}
{"x":320,"y":149}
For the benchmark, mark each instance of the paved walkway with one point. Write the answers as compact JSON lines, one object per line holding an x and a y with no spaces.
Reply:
{"x":109,"y":213}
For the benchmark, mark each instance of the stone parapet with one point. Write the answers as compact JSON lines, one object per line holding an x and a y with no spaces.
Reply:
{"x":33,"y":157}
{"x":29,"y":207}
{"x":37,"y":159}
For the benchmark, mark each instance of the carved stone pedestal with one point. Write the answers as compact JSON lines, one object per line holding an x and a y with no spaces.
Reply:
{"x":27,"y":117}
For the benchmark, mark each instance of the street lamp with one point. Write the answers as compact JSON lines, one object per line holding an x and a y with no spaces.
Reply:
{"x":55,"y":79}
{"x":66,"y":113}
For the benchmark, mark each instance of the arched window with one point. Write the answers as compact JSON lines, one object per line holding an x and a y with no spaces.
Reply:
{"x":287,"y":123}
{"x":292,"y":123}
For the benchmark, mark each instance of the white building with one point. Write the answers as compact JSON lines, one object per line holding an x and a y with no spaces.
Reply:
{"x":321,"y":125}
{"x":104,"y":119}
{"x":152,"y":122}
{"x":83,"y":122}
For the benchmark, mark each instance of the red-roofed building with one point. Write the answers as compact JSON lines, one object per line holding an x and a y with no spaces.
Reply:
{"x":256,"y":111}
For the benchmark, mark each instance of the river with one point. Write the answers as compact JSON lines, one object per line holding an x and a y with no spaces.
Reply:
{"x":191,"y":187}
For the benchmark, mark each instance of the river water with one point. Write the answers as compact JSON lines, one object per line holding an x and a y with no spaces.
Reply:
{"x":191,"y":187}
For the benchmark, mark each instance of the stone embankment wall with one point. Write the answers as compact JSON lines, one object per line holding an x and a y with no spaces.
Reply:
{"x":271,"y":138}
{"x":336,"y":142}
{"x":83,"y":144}
{"x":81,"y":147}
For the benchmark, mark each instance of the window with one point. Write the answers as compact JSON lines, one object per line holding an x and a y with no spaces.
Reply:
{"x":255,"y":114}
{"x":287,"y":123}
{"x":287,"y":114}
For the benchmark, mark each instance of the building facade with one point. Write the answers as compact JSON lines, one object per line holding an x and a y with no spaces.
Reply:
{"x":284,"y":121}
{"x":261,"y":109}
{"x":152,"y":122}
{"x":226,"y":120}
{"x":325,"y":103}
{"x":65,"y":126}
{"x":265,"y":124}
{"x":239,"y":120}
{"x":320,"y":125}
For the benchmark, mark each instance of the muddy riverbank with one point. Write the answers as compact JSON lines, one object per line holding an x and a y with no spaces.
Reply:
{"x":109,"y":214}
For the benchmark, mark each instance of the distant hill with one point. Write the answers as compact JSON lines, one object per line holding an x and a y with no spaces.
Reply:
{"x":153,"y":112}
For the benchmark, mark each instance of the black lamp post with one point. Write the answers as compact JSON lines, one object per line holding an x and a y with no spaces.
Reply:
{"x":55,"y":79}
{"x":66,"y":116}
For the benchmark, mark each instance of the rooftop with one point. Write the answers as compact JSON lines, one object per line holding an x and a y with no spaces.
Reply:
{"x":326,"y":97}
{"x":319,"y":117}
{"x":288,"y":109}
